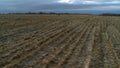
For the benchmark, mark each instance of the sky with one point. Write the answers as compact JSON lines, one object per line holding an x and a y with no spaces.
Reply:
{"x":60,"y":6}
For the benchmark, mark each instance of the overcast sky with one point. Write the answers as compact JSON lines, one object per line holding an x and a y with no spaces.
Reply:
{"x":65,"y":6}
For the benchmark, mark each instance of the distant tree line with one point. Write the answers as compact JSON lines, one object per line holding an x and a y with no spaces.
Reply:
{"x":109,"y":14}
{"x":39,"y":13}
{"x":103,"y":14}
{"x":49,"y":13}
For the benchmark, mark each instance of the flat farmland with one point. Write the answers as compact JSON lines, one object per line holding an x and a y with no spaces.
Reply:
{"x":59,"y":41}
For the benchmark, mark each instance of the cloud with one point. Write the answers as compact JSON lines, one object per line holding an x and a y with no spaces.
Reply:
{"x":90,"y":1}
{"x":66,"y":1}
{"x":113,"y":2}
{"x":74,"y":6}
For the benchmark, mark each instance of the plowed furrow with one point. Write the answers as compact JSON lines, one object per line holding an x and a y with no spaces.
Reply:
{"x":110,"y":59}
{"x":85,"y":53}
{"x":67,"y":52}
{"x":42,"y":32}
{"x":115,"y":39}
{"x":58,"y":46}
{"x":16,"y":39}
{"x":114,"y":35}
{"x":77,"y":42}
{"x":114,"y":52}
{"x":90,"y":49}
{"x":21,"y":29}
{"x":26,"y":43}
{"x":23,"y":51}
{"x":97,"y":60}
{"x":40,"y":45}
{"x":74,"y":58}
{"x":59,"y":41}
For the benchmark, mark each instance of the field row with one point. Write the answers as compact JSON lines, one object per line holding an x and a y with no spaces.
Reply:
{"x":64,"y":41}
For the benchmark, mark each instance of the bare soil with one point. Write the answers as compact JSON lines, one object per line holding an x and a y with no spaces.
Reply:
{"x":59,"y":41}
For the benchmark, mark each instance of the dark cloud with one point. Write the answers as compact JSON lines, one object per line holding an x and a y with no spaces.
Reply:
{"x":8,"y":6}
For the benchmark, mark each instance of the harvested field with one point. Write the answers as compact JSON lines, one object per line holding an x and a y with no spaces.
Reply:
{"x":59,"y":41}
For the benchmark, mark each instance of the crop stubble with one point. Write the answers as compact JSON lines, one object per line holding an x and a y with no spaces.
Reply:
{"x":59,"y":41}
